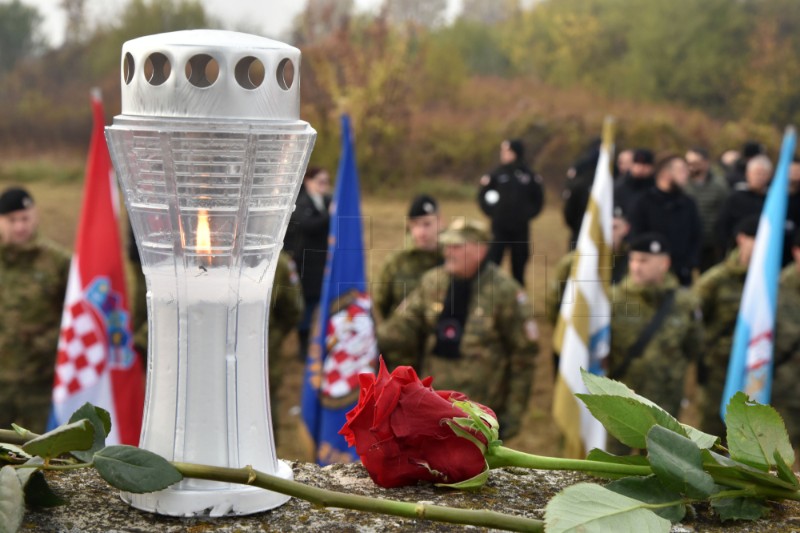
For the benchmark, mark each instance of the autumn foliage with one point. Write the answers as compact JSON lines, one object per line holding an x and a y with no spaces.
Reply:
{"x":432,"y":101}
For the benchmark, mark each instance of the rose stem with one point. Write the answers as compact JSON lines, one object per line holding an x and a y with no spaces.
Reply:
{"x":502,"y":456}
{"x":328,"y":498}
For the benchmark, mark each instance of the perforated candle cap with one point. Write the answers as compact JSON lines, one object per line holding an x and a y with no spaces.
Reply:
{"x":210,"y":74}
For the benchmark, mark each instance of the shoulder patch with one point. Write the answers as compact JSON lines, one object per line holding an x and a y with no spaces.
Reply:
{"x":294,"y":279}
{"x":531,"y":330}
{"x":522,"y":298}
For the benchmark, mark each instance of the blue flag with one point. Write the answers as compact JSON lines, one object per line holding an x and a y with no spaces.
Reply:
{"x":750,"y":365}
{"x":343,"y":341}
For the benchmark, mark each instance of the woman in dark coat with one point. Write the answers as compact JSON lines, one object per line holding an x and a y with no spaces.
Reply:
{"x":307,"y":241}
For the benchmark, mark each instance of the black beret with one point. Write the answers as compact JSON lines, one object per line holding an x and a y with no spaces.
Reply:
{"x":423,"y":205}
{"x":651,"y":243}
{"x":15,"y":199}
{"x":644,"y":156}
{"x":752,"y":149}
{"x":748,"y":226}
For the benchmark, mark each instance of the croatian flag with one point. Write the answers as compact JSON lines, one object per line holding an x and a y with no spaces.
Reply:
{"x":750,"y":365}
{"x":96,"y":362}
{"x":343,"y":344}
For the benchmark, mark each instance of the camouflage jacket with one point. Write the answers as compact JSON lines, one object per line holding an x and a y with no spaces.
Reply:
{"x":33,"y":281}
{"x":400,"y":275}
{"x":498,"y":346}
{"x":286,"y":305}
{"x":787,"y":352}
{"x":719,"y":291}
{"x":658,"y":373}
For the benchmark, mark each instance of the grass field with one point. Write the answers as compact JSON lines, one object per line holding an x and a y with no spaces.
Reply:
{"x":59,"y":205}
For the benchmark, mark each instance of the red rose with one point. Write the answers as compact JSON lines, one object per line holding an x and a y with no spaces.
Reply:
{"x":400,"y":431}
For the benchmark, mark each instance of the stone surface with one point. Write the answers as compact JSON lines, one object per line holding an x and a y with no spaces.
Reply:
{"x":96,"y":507}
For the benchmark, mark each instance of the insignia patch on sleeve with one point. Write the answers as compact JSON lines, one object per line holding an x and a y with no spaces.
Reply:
{"x":522,"y":298}
{"x":531,"y":330}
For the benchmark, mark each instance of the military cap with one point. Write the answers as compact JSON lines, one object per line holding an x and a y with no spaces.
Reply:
{"x":747,"y":226}
{"x":644,"y":156}
{"x":751,"y":149}
{"x":423,"y":205}
{"x":650,"y":243}
{"x":15,"y":199}
{"x":463,"y":230}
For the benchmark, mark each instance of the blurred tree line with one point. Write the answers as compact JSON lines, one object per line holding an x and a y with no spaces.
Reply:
{"x":432,"y":95}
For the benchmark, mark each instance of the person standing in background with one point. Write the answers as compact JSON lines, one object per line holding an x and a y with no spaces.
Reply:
{"x":511,"y":196}
{"x":308,"y":243}
{"x":402,"y":270}
{"x":709,"y":192}
{"x":33,"y":282}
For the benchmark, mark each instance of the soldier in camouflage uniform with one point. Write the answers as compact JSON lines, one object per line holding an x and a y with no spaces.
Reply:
{"x":33,"y":280}
{"x":657,"y":369}
{"x":402,"y":271}
{"x":286,"y":310}
{"x":476,"y":326}
{"x":787,"y":347}
{"x":719,"y":290}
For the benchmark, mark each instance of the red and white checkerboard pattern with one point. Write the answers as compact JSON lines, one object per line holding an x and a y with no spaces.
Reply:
{"x":352,"y":348}
{"x":81,"y":351}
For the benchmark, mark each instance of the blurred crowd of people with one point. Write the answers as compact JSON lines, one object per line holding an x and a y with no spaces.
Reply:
{"x":683,"y":234}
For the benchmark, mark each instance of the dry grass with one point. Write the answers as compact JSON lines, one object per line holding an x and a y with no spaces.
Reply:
{"x":59,"y":205}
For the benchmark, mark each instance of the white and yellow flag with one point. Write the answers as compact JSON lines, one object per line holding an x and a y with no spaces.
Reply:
{"x":583,"y":331}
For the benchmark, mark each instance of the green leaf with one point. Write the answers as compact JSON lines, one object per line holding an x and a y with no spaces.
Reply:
{"x":677,"y":462}
{"x":590,"y":508}
{"x":24,"y":474}
{"x":600,"y":385}
{"x":604,"y":457}
{"x":66,"y":438}
{"x":39,"y":494}
{"x":628,"y":419}
{"x":472,"y":483}
{"x":703,"y":440}
{"x":755,"y":433}
{"x":135,"y":470}
{"x":101,"y":421}
{"x":718,"y":465}
{"x":12,"y":452}
{"x":785,"y":471}
{"x":739,"y":508}
{"x":650,"y":490}
{"x":12,"y":501}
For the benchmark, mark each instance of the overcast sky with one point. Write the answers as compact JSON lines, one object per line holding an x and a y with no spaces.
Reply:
{"x":270,"y":18}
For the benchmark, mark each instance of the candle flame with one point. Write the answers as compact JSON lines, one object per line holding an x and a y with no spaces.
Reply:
{"x":203,"y":233}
